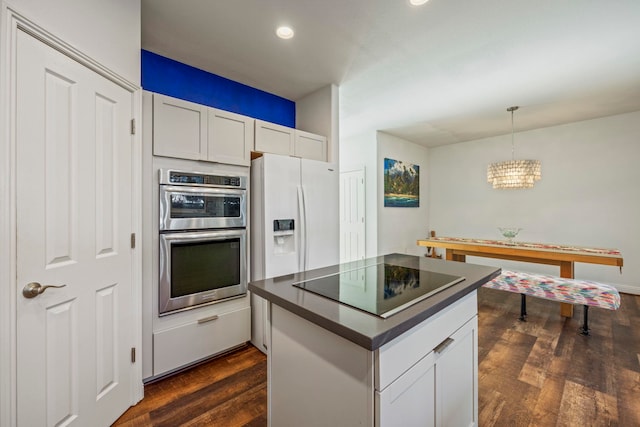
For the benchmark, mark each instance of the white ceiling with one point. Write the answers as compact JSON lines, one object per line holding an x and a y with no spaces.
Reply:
{"x":441,"y":73}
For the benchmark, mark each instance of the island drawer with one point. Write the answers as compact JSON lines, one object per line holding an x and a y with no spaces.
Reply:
{"x":399,"y":355}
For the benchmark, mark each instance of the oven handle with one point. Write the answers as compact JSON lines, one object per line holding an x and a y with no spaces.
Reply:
{"x":302,"y":253}
{"x":202,"y":190}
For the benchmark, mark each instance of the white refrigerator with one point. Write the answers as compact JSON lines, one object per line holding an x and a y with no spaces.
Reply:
{"x":294,"y":224}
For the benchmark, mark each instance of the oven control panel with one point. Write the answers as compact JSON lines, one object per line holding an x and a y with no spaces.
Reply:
{"x":174,"y":177}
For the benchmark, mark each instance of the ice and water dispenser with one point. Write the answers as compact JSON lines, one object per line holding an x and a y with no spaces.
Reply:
{"x":283,"y":236}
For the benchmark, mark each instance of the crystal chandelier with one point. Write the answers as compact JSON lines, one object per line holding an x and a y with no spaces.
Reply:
{"x":513,"y":173}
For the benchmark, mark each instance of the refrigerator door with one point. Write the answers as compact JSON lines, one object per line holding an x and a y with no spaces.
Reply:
{"x":281,"y":179}
{"x":321,"y":238}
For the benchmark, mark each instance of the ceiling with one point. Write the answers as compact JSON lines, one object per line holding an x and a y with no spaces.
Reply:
{"x":436,"y":74}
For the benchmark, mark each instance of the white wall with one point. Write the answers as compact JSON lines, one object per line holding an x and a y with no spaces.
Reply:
{"x":317,"y":112}
{"x":399,"y":228}
{"x":106,"y":30}
{"x":388,"y":229}
{"x":588,"y":194}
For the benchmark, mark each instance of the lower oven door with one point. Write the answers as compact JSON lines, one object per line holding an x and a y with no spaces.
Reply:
{"x":201,"y":267}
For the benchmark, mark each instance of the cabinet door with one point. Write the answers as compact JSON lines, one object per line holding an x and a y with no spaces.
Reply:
{"x":410,"y":400}
{"x":310,"y":146}
{"x":273,"y":138}
{"x":439,"y":390}
{"x":260,"y":325}
{"x":457,"y":378}
{"x":179,"y":128}
{"x":230,"y":138}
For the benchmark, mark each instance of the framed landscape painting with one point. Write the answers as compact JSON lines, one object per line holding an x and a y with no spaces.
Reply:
{"x":401,"y":184}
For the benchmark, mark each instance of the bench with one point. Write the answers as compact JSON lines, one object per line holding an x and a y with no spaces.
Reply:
{"x":572,"y":291}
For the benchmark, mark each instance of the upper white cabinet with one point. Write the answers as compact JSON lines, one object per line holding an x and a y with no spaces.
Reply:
{"x":273,"y":138}
{"x":187,"y":130}
{"x":230,"y":138}
{"x":277,"y":139}
{"x":179,"y":128}
{"x":310,"y":146}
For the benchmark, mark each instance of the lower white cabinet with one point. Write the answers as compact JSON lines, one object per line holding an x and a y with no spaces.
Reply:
{"x":182,"y":345}
{"x":427,"y":376}
{"x":440,"y":390}
{"x":260,"y":323}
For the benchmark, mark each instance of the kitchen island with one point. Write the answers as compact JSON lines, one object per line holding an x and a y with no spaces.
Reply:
{"x":330,"y":363}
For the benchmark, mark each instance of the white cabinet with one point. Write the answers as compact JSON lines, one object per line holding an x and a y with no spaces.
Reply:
{"x":260,"y":323}
{"x":278,"y":139}
{"x":230,"y":138}
{"x":179,"y":346}
{"x":310,"y":146}
{"x":186,"y":130}
{"x":440,"y":390}
{"x":426,"y":376}
{"x":179,"y":128}
{"x":273,"y":138}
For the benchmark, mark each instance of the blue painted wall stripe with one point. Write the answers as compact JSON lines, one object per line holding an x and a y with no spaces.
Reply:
{"x":172,"y":78}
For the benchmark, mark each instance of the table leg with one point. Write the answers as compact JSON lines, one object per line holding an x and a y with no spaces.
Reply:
{"x":451,"y":256}
{"x":566,"y":271}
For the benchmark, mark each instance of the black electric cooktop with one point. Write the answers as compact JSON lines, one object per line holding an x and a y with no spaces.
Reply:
{"x":380,"y":289}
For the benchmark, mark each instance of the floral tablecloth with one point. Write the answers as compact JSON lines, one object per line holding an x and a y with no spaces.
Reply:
{"x":526,"y":245}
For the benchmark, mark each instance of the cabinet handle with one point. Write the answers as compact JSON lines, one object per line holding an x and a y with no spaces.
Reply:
{"x":207,"y":319}
{"x":443,"y":345}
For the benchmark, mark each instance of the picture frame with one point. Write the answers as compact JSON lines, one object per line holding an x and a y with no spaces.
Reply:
{"x":401,"y":184}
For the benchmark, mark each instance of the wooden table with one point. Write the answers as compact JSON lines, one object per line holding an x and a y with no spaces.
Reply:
{"x":563,"y":256}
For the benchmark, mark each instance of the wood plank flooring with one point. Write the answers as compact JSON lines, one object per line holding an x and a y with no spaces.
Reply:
{"x":535,"y":373}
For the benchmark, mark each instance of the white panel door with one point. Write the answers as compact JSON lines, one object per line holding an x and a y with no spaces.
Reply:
{"x":352,"y":216}
{"x":73,"y":227}
{"x":321,"y":238}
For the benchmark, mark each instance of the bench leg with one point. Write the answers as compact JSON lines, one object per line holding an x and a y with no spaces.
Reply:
{"x":523,"y":307}
{"x":584,"y":329}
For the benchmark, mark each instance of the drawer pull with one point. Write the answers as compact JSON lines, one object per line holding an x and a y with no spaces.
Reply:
{"x":207,"y":319}
{"x":443,"y":345}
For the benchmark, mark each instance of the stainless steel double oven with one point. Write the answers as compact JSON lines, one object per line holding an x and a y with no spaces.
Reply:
{"x":203,"y":239}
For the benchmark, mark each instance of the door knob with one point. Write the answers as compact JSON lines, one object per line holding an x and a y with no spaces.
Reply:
{"x":33,"y":289}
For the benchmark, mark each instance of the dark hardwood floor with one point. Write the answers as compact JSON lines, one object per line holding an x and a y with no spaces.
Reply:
{"x":535,"y":373}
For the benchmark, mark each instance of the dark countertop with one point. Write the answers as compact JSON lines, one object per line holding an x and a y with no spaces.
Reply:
{"x":367,"y":330}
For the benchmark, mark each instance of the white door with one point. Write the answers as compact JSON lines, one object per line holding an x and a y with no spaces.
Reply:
{"x":352,"y":216}
{"x":73,"y":227}
{"x":321,"y":233}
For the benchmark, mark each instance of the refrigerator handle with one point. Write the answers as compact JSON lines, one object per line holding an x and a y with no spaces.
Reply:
{"x":302,"y":253}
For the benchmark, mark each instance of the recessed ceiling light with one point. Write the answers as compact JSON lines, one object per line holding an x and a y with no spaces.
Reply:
{"x":417,"y":2}
{"x":284,"y":32}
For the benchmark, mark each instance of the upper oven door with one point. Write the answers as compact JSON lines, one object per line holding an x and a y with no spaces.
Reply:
{"x":194,"y":208}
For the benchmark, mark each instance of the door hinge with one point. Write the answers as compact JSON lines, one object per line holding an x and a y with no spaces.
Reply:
{"x":133,"y":126}
{"x":133,"y":355}
{"x":133,"y":240}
